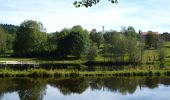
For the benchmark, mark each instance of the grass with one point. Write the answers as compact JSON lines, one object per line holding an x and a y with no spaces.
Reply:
{"x":150,"y":60}
{"x":72,"y":73}
{"x":149,"y":56}
{"x":46,"y":60}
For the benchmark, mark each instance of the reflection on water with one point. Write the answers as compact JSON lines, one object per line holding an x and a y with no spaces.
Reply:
{"x":81,"y":88}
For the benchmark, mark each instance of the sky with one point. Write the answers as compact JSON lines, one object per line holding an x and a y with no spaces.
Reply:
{"x":55,"y":15}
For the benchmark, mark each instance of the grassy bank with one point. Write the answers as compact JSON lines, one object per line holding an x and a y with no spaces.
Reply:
{"x":150,"y":57}
{"x":65,"y":73}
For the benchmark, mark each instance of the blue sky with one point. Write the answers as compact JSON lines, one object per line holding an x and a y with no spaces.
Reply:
{"x":56,"y":14}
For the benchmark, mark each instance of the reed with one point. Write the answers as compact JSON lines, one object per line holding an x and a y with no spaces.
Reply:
{"x":42,"y":73}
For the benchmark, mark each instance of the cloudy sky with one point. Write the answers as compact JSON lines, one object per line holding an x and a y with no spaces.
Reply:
{"x":56,"y":14}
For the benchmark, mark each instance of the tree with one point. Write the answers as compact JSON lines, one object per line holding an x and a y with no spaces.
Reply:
{"x":10,"y":38}
{"x":119,"y":47}
{"x":130,"y":31}
{"x":108,"y":36}
{"x":52,"y":41}
{"x":77,"y":40}
{"x":10,"y":29}
{"x":91,"y":53}
{"x":2,"y":40}
{"x":165,"y":36}
{"x":30,"y":38}
{"x":73,"y":42}
{"x":108,"y":50}
{"x":151,"y":39}
{"x":96,"y":38}
{"x":119,"y":44}
{"x":133,"y":50}
{"x":115,"y":46}
{"x":62,"y":43}
{"x":89,"y":3}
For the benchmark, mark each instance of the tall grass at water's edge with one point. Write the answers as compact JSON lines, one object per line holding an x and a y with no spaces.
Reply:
{"x":72,"y":73}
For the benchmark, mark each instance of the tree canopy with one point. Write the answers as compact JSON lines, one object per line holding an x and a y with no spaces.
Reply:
{"x":73,"y":41}
{"x":8,"y":28}
{"x":151,"y":39}
{"x":30,"y":38}
{"x":96,"y":37}
{"x":89,"y":3}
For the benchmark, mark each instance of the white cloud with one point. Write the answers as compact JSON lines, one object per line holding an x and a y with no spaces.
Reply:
{"x":57,"y":14}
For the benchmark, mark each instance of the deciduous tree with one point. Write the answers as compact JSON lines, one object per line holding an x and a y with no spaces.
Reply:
{"x":30,"y":39}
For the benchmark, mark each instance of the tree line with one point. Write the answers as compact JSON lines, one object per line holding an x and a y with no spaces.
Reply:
{"x":31,"y":40}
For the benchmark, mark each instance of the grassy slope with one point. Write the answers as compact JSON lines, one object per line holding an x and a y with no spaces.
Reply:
{"x":149,"y":56}
{"x":167,"y":53}
{"x":45,"y":60}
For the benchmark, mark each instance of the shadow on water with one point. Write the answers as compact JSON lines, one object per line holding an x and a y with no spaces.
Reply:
{"x":35,"y":89}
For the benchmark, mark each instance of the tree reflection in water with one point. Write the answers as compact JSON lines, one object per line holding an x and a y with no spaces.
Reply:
{"x":121,"y":85}
{"x":35,"y":89}
{"x":28,"y":89}
{"x":68,"y":86}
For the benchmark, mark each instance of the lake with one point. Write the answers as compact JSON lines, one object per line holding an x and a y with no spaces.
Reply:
{"x":85,"y":88}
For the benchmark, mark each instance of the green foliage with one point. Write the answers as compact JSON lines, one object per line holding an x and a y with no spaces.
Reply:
{"x":10,"y":29}
{"x":151,"y":39}
{"x":78,"y":40}
{"x":120,"y":44}
{"x":96,"y":38}
{"x":73,"y":42}
{"x":91,"y":53}
{"x":165,"y":36}
{"x":133,"y":50}
{"x":129,"y":32}
{"x":119,"y":47}
{"x":41,"y":73}
{"x":30,"y":38}
{"x":2,"y":40}
{"x":89,"y":3}
{"x":115,"y":46}
{"x":108,"y":36}
{"x":52,"y":41}
{"x":63,"y":48}
{"x":10,"y":41}
{"x":161,"y":55}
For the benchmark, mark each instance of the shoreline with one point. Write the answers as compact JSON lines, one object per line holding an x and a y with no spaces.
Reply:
{"x":73,"y":73}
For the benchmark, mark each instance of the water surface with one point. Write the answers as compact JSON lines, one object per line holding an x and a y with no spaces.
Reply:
{"x":85,"y":89}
